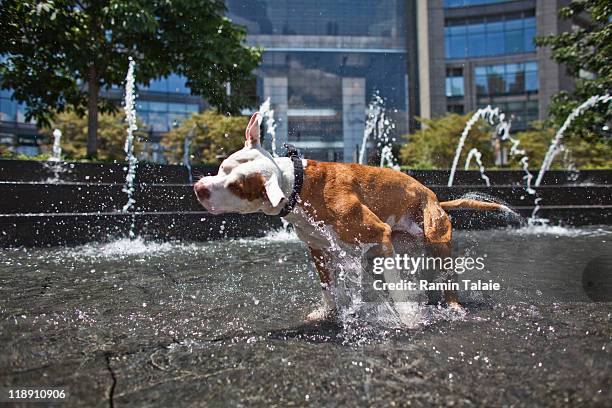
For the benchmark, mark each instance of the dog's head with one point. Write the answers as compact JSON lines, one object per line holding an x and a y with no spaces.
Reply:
{"x":248,"y":181}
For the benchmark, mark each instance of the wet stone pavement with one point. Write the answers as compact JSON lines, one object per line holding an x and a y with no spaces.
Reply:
{"x":135,"y":323}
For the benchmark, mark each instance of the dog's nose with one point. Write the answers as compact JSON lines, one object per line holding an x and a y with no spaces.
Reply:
{"x":202,"y":192}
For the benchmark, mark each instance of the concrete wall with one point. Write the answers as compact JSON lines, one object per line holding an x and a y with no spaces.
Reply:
{"x":85,"y":204}
{"x":353,"y":112}
{"x":552,"y":76}
{"x":432,"y":68}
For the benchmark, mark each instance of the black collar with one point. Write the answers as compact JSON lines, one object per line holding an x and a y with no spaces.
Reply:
{"x":298,"y":173}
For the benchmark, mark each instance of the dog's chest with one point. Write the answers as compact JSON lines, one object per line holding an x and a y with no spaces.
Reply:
{"x":315,"y":234}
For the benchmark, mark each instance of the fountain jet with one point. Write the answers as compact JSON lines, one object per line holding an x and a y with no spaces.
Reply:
{"x":57,"y":147}
{"x":553,"y":150}
{"x":378,"y":127}
{"x":130,"y":115}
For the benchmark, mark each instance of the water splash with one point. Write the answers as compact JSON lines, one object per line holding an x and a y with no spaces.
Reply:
{"x":280,"y":236}
{"x":487,"y":113}
{"x":528,"y":176}
{"x":267,"y":114}
{"x":356,"y":314}
{"x":187,"y":153}
{"x":54,"y":163}
{"x":130,"y":115}
{"x":378,"y":128}
{"x":570,"y":164}
{"x":57,"y":147}
{"x":557,"y":230}
{"x":553,"y":149}
{"x":478,"y":157}
{"x":125,"y":247}
{"x":504,"y":130}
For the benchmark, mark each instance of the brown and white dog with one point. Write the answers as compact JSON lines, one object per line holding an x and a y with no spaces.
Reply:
{"x":357,"y":204}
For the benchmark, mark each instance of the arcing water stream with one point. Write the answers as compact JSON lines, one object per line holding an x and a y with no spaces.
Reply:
{"x":556,"y":142}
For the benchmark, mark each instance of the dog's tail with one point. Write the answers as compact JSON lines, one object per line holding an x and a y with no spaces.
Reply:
{"x":472,"y":204}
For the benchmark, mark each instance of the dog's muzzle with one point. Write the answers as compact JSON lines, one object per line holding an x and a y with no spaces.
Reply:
{"x":201,"y":191}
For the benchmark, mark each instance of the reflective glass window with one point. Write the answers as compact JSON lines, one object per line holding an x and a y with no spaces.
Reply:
{"x":489,"y":36}
{"x":384,"y":18}
{"x":504,"y":79}
{"x":467,"y":3}
{"x":454,"y":86}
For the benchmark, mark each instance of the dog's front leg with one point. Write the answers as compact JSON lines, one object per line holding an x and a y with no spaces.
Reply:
{"x":322,"y":261}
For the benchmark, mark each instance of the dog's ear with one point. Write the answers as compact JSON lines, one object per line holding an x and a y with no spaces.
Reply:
{"x":273,"y":191}
{"x":252,"y":131}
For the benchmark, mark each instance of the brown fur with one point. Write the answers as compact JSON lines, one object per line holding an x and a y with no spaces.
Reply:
{"x":251,"y":187}
{"x":472,"y":204}
{"x":358,"y":200}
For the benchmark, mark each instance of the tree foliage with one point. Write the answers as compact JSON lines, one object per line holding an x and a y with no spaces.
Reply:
{"x":433,"y":146}
{"x":112,"y":132}
{"x":53,"y":51}
{"x":586,"y":52}
{"x":213,"y":137}
{"x":587,"y":152}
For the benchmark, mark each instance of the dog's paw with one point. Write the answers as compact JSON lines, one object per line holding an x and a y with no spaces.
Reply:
{"x":321,"y":314}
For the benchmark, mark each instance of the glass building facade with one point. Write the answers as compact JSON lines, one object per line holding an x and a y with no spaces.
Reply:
{"x":162,"y":104}
{"x":490,"y":36}
{"x":467,"y":3}
{"x":323,"y":62}
{"x":491,"y":58}
{"x":10,"y":110}
{"x":318,"y":17}
{"x":506,"y":79}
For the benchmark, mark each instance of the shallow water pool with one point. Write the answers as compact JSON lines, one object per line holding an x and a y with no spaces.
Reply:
{"x":222,"y":323}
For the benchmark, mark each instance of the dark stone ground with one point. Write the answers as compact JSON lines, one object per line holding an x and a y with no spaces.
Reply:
{"x":221,"y":324}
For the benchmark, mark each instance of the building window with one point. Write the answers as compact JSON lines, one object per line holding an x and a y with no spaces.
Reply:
{"x":11,"y":110}
{"x":467,"y":3}
{"x":489,"y":36}
{"x":506,"y":79}
{"x":378,"y":18}
{"x":172,"y":84}
{"x":454,"y":82}
{"x":456,"y":108}
{"x":160,"y":116}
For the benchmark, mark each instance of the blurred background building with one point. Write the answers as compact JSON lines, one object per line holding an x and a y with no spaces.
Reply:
{"x":324,"y":60}
{"x":473,"y":53}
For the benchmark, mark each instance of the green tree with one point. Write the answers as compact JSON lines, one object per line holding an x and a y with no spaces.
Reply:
{"x":58,"y":54}
{"x":586,"y":52}
{"x":112,"y":131}
{"x":587,"y":152}
{"x":434,"y":145}
{"x":213,"y":137}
